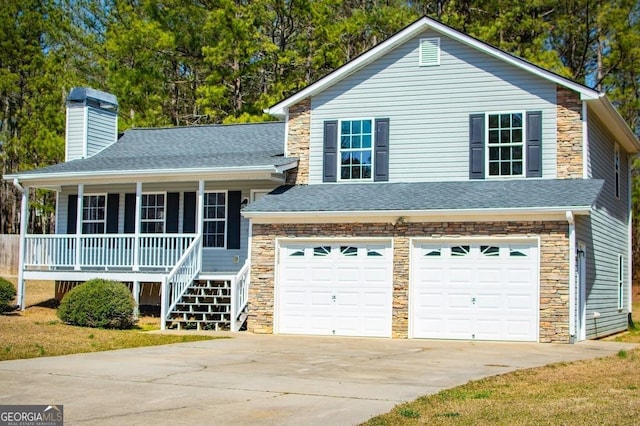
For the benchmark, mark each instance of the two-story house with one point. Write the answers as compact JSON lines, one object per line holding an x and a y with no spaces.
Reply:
{"x":446,"y":189}
{"x":433,"y":187}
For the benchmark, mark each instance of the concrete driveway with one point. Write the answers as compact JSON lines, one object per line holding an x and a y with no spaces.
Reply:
{"x":253,"y":379}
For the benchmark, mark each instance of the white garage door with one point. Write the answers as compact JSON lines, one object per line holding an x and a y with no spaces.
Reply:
{"x":335,"y":288}
{"x":475,"y":290}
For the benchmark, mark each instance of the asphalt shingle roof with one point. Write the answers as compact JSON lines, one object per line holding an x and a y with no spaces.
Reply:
{"x":195,"y":147}
{"x":475,"y":194}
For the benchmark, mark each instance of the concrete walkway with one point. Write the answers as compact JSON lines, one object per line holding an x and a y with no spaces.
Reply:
{"x":252,"y":379}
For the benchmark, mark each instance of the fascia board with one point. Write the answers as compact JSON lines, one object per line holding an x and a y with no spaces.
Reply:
{"x":280,"y":109}
{"x":222,"y":173}
{"x":611,"y":118}
{"x":395,"y":216}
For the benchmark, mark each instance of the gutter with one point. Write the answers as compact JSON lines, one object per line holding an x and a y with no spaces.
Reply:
{"x":400,"y":216}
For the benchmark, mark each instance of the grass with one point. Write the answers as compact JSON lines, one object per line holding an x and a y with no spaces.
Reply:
{"x":37,"y":331}
{"x":603,"y":391}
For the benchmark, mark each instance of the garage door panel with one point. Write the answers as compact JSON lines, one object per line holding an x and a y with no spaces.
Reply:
{"x":474,"y":290}
{"x":347,"y":289}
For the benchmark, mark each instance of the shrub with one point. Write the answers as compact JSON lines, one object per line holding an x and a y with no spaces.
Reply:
{"x":7,"y":294}
{"x":98,"y":303}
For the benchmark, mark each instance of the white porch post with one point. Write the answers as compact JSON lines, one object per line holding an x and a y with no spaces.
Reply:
{"x":200,"y":215}
{"x":24,"y":220}
{"x":136,"y":297}
{"x":164,"y":294}
{"x":79,"y":226}
{"x":136,"y":244}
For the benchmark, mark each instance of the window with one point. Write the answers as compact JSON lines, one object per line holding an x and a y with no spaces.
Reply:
{"x":460,"y":250}
{"x":356,"y":152}
{"x":93,"y":214}
{"x":616,"y":167}
{"x":215,"y":219}
{"x":505,"y":144}
{"x":620,"y":282}
{"x":322,"y":251}
{"x":152,"y":214}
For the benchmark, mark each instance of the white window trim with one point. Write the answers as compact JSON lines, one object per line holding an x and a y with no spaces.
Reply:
{"x":616,"y":170}
{"x":164,"y":216}
{"x":620,"y":274}
{"x":438,"y":50}
{"x":524,"y":145}
{"x":226,"y":218}
{"x":339,"y":149}
{"x":83,"y":221}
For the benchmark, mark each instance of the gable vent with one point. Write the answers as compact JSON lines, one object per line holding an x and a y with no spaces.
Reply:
{"x":429,"y":51}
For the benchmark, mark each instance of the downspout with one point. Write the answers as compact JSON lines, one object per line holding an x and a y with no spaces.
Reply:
{"x":586,"y":164}
{"x":573,"y":334}
{"x":24,"y":219}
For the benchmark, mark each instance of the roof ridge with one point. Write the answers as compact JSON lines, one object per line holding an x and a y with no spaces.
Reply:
{"x":192,"y":126}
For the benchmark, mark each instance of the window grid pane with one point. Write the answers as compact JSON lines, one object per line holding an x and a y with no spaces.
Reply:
{"x":356,"y":141}
{"x":215,"y":222}
{"x":93,"y":214}
{"x":505,"y":144}
{"x":152,"y":214}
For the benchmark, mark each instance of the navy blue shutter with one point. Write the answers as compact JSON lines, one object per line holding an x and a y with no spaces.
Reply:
{"x":72,"y":213}
{"x":534,"y":144}
{"x":330,"y":166}
{"x":476,"y":146}
{"x":129,"y":213}
{"x":173,"y":208}
{"x":189,"y":214}
{"x":113,"y":204}
{"x":381,"y":173}
{"x":233,"y":220}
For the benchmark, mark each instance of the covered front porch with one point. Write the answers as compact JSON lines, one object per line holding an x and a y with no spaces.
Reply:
{"x":121,"y":234}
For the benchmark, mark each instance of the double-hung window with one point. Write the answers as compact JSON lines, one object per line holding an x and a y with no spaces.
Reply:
{"x":356,"y":149}
{"x":152,"y":213}
{"x":505,"y":144}
{"x":93,"y":214}
{"x":215,"y":219}
{"x":620,"y":282}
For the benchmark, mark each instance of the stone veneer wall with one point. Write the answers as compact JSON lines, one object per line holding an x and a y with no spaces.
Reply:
{"x":554,"y":269}
{"x":299,"y":129}
{"x":569,"y":124}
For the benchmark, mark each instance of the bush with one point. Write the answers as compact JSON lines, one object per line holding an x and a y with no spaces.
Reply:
{"x":98,"y":303}
{"x":7,"y":294}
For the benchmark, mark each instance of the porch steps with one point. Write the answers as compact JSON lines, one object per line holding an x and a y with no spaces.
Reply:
{"x":206,"y":305}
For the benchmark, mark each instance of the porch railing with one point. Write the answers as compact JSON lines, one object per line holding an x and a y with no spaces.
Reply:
{"x":180,"y":278}
{"x":105,"y":251}
{"x":239,"y":296}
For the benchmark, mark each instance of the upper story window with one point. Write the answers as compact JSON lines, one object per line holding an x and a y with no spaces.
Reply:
{"x":152,"y":213}
{"x":356,"y":149}
{"x":93,"y":214}
{"x":505,"y":144}
{"x":215,"y":219}
{"x":616,"y":168}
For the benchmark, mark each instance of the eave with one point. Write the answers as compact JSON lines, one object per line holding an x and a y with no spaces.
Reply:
{"x":417,"y":216}
{"x":55,"y":180}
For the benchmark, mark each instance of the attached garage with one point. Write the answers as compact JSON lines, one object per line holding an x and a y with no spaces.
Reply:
{"x":341,"y":288}
{"x":482,"y":290}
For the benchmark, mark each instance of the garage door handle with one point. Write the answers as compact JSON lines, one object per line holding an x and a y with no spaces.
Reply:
{"x":333,"y":298}
{"x":473,"y":300}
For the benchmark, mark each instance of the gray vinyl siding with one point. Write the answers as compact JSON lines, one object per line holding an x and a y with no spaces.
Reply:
{"x":213,"y":259}
{"x":101,"y":130}
{"x":75,"y":133}
{"x":429,"y":107}
{"x":605,"y":234}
